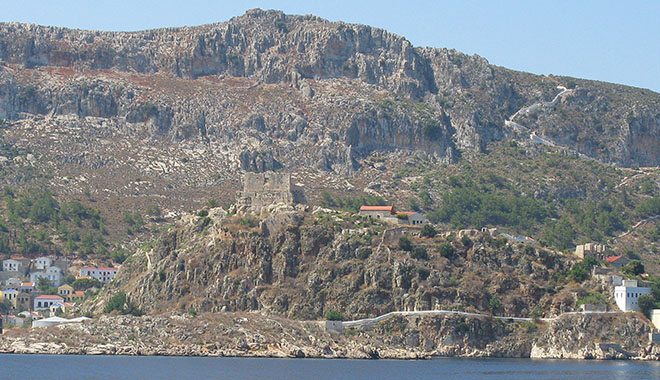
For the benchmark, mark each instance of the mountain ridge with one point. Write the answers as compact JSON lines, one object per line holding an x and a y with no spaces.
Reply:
{"x":469,"y":100}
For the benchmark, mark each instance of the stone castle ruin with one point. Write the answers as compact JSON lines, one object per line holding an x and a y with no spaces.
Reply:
{"x":263,"y":189}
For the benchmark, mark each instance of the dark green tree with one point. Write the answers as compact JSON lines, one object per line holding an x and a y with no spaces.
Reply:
{"x":405,"y":244}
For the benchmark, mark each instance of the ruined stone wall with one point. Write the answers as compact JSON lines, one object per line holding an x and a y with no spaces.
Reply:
{"x":263,"y":189}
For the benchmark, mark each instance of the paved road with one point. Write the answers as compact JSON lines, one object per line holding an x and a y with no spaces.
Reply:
{"x":371,"y":321}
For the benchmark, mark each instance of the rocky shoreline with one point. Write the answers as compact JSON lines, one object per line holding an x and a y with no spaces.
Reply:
{"x":257,"y":335}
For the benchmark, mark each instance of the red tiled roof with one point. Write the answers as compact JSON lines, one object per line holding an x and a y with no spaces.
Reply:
{"x":45,"y":296}
{"x":611,"y":259}
{"x":406,"y":213}
{"x":110,"y":268}
{"x":79,"y":293}
{"x":377,"y":208}
{"x":27,"y":284}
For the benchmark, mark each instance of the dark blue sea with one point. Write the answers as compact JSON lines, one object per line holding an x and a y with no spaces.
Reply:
{"x":52,"y":367}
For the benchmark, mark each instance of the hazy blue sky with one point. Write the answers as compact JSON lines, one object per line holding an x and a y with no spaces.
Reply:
{"x":615,"y":41}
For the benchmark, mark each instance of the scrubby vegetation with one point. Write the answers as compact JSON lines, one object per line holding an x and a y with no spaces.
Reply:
{"x":36,"y":223}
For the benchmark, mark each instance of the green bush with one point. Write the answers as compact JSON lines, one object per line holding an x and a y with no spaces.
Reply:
{"x":120,"y":303}
{"x":334,"y":315}
{"x":86,"y":283}
{"x":646,"y":303}
{"x":634,"y":268}
{"x":119,"y":255}
{"x":247,"y":222}
{"x":494,"y":304}
{"x":582,"y":270}
{"x":446,"y":249}
{"x":466,"y":241}
{"x":419,"y":253}
{"x":149,"y":109}
{"x":202,"y":213}
{"x":428,"y":231}
{"x":423,"y":273}
{"x":116,"y":302}
{"x":153,"y":211}
{"x":432,"y":130}
{"x":592,"y":298}
{"x":405,"y":244}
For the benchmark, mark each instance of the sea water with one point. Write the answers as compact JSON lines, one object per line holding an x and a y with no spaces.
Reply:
{"x":65,"y":367}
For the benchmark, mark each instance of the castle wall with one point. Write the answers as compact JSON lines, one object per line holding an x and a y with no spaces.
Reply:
{"x":263,"y":189}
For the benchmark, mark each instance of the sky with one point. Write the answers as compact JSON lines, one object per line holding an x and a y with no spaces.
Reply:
{"x":614,"y":41}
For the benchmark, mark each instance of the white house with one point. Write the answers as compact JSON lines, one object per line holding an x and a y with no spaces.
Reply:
{"x":27,"y":287}
{"x":43,"y":262}
{"x":411,"y":217}
{"x":102,"y":274}
{"x":54,"y":274}
{"x":46,"y":301}
{"x":13,"y":282}
{"x":627,"y":294}
{"x":35,"y":276}
{"x":12,"y":265}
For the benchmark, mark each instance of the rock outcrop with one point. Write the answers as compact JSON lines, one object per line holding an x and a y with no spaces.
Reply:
{"x":301,"y":265}
{"x":277,"y":80}
{"x":256,"y":335}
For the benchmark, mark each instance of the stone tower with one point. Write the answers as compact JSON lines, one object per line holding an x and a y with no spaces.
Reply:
{"x":263,"y":189}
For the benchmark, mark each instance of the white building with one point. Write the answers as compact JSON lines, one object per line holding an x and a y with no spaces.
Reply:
{"x":46,"y":301}
{"x":102,"y":274}
{"x":12,"y":265}
{"x":27,"y":287}
{"x":43,"y":262}
{"x":54,"y":274}
{"x":35,"y":276}
{"x":627,"y":294}
{"x":411,"y":217}
{"x":13,"y":283}
{"x":655,"y":318}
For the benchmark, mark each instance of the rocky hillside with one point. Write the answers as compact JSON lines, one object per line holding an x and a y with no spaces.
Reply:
{"x":172,"y":117}
{"x":302,"y":265}
{"x":262,"y":90}
{"x":256,"y":335}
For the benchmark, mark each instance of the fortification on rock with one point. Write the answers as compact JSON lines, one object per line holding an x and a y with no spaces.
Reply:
{"x":264,"y":189}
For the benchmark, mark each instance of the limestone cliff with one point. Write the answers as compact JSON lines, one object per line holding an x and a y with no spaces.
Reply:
{"x":267,"y":84}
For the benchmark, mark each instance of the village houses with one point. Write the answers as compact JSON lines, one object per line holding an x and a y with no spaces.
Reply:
{"x":104,"y":275}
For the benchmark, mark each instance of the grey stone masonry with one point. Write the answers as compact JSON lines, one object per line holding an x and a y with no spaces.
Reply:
{"x":263,"y":189}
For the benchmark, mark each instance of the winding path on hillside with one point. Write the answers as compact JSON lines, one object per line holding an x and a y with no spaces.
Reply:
{"x":535,"y":107}
{"x":371,"y":321}
{"x":641,"y":222}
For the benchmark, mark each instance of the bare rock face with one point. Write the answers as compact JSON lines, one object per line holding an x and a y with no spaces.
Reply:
{"x":317,"y":93}
{"x":289,"y":262}
{"x":583,"y":337}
